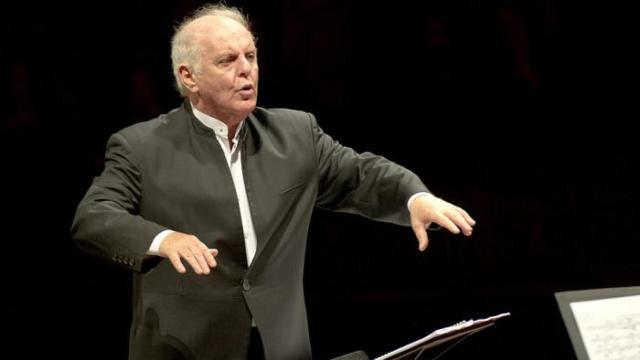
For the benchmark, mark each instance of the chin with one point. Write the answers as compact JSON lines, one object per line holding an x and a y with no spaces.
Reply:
{"x":247,"y":106}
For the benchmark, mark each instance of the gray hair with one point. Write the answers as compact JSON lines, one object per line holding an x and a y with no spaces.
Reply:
{"x":184,"y":49}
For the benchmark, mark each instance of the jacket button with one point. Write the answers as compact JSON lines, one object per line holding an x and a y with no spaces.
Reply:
{"x":246,"y":285}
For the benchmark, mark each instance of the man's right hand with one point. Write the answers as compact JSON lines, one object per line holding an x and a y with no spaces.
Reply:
{"x":178,"y":246}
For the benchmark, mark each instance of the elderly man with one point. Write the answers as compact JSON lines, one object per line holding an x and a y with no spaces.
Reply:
{"x":210,"y":205}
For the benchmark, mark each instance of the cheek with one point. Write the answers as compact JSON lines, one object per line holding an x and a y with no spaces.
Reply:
{"x":220,"y":82}
{"x":222,"y":88}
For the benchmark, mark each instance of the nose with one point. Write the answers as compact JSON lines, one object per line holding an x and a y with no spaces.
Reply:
{"x":245,"y":66}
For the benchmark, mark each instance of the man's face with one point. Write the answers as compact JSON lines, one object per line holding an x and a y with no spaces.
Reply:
{"x":227,"y":72}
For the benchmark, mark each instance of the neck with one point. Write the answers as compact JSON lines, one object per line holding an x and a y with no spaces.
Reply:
{"x":232,"y":130}
{"x":231,"y":120}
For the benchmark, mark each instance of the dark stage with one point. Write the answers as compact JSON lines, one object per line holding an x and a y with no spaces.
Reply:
{"x":517,"y":111}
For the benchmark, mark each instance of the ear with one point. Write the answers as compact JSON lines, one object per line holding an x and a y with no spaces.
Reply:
{"x":187,"y":77}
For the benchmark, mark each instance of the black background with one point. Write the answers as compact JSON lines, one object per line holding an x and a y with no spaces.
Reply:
{"x":520,"y":112}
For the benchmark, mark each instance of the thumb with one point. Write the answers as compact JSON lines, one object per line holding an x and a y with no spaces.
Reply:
{"x":421,"y":234}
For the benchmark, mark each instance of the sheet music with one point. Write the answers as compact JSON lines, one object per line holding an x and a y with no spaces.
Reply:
{"x":610,"y":328}
{"x":443,"y":332}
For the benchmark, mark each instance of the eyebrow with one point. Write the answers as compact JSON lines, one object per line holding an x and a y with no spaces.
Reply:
{"x":230,"y":50}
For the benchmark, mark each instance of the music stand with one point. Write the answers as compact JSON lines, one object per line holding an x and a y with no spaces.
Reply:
{"x":458,"y":331}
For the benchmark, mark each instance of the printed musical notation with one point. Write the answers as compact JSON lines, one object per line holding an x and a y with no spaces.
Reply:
{"x":610,"y":328}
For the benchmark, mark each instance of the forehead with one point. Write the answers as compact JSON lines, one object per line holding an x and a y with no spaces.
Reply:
{"x":218,"y":33}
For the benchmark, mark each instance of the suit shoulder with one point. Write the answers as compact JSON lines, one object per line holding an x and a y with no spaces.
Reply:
{"x":281,"y":114}
{"x":146,"y":130}
{"x":286,"y":121}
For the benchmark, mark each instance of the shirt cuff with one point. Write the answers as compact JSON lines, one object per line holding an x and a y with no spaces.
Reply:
{"x":414,"y":196}
{"x":154,"y":249}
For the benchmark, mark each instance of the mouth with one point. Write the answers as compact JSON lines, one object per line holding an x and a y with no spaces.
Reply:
{"x":247,"y":90}
{"x":246,"y":87}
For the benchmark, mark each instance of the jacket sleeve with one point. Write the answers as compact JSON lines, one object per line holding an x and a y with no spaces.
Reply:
{"x":106,"y":223}
{"x":362,"y":183}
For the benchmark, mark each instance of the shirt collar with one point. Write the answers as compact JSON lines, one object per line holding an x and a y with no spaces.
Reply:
{"x":218,"y":127}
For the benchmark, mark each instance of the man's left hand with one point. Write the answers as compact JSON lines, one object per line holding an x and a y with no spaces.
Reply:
{"x":427,"y":209}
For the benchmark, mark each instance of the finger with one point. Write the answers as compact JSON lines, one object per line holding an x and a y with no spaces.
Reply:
{"x":187,"y":255}
{"x":446,"y":223}
{"x":177,"y":264}
{"x":205,"y":258}
{"x":460,"y":222}
{"x":204,"y":264}
{"x":209,"y":256}
{"x":467,"y":217}
{"x":421,"y":234}
{"x":199,"y":256}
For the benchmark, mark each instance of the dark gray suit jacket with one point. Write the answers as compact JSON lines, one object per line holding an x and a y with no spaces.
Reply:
{"x":170,"y":173}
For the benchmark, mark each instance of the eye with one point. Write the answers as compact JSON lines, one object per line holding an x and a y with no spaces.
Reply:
{"x":251,"y":56}
{"x":226,"y":61}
